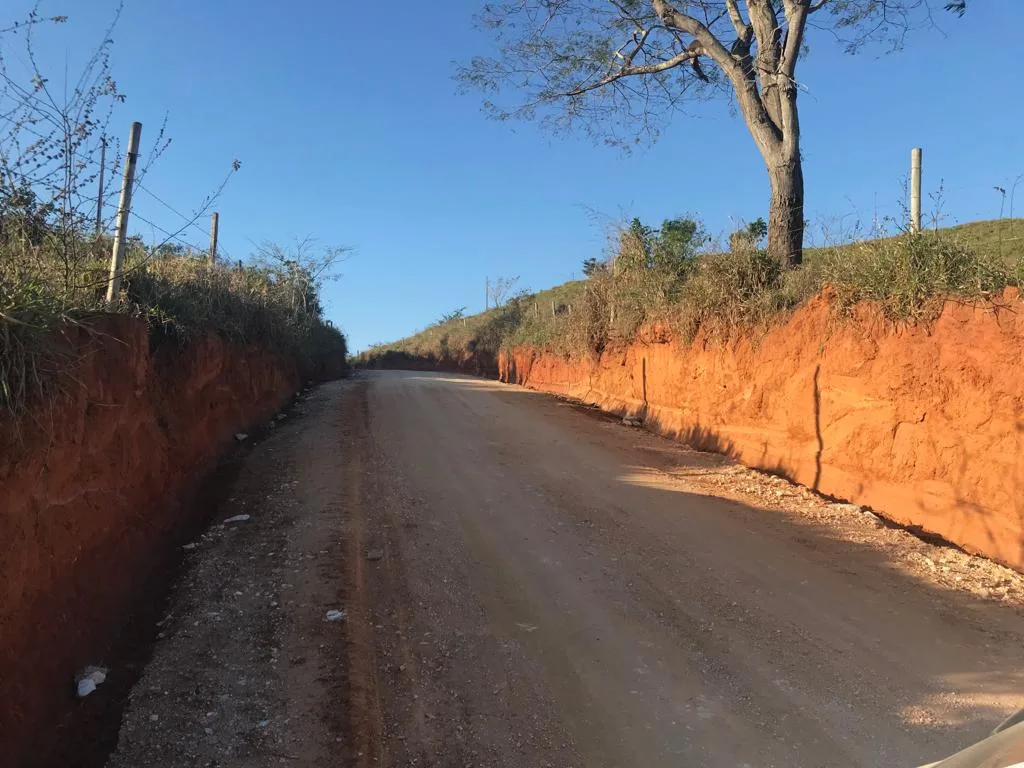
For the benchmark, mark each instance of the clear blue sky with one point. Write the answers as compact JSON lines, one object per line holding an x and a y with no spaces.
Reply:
{"x":350,"y":129}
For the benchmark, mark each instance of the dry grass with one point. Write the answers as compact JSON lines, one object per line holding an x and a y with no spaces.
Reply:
{"x":44,"y":287}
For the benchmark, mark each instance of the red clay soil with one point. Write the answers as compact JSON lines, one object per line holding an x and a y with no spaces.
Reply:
{"x":922,"y":423}
{"x":87,"y":502}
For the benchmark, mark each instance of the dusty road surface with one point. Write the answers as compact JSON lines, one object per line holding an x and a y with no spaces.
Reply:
{"x":528,"y":584}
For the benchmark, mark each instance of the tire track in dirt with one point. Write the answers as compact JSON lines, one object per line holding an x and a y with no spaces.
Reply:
{"x":386,"y":660}
{"x":362,"y":699}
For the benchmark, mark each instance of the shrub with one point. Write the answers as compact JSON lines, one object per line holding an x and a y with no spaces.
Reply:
{"x":589,"y":327}
{"x":741,"y":287}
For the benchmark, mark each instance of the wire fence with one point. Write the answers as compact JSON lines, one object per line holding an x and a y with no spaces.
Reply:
{"x":168,"y":227}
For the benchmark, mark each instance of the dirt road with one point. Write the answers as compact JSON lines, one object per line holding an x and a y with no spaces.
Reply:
{"x":527,"y":584}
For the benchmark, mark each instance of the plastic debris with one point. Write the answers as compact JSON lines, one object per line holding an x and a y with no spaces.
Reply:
{"x":375,"y":554}
{"x":238,"y":519}
{"x":90,"y":678}
{"x":241,"y":437}
{"x":335,"y":615}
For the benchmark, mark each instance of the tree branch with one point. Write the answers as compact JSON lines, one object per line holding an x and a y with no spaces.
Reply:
{"x":630,"y":71}
{"x":765,"y":127}
{"x":743,"y":30}
{"x":768,"y":34}
{"x":796,"y":14}
{"x":640,"y":42}
{"x":710,"y":44}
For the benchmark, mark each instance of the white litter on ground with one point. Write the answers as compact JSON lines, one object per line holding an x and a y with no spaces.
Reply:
{"x":90,"y":678}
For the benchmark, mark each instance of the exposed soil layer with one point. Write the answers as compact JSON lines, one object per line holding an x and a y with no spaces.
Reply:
{"x":94,"y":495}
{"x":920,"y":422}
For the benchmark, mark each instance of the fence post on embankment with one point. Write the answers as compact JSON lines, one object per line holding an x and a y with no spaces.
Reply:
{"x":123,"y":208}
{"x":915,"y":189}
{"x":214,"y":226}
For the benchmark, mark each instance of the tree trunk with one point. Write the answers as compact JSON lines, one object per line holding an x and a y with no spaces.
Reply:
{"x":786,"y":210}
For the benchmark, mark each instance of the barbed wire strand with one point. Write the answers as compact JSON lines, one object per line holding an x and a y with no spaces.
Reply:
{"x":170,"y":235}
{"x":189,"y":220}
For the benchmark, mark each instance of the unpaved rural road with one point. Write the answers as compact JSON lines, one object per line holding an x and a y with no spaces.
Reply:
{"x":529,"y":584}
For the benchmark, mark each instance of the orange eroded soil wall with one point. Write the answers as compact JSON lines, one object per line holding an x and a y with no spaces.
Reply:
{"x":923,"y":424}
{"x":88,"y":492}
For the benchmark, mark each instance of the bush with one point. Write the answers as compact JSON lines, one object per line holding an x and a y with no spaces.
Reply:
{"x":646,"y":277}
{"x":589,"y":327}
{"x":743,"y":287}
{"x":28,"y":356}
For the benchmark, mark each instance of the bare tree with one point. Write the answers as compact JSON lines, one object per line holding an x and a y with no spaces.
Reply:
{"x":620,"y":67}
{"x":51,"y":132}
{"x":500,"y":290}
{"x":304,"y":268}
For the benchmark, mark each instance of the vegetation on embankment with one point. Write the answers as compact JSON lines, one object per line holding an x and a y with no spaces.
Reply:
{"x":663,"y":278}
{"x":48,"y":285}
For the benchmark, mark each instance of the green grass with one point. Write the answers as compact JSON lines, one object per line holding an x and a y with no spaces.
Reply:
{"x":910,"y":275}
{"x":998,"y":239}
{"x":907,"y":275}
